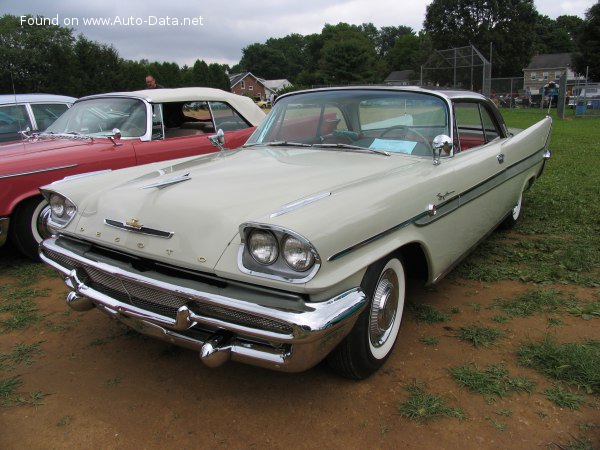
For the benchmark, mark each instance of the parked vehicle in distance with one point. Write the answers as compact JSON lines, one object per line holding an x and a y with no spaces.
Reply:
{"x":585,"y":94}
{"x":29,"y":113}
{"x":112,"y":131}
{"x":298,"y":246}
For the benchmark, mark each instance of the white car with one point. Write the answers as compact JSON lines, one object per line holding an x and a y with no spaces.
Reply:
{"x":29,"y":113}
{"x":298,"y":246}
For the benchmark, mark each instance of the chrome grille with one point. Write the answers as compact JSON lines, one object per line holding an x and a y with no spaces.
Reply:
{"x":159,"y":301}
{"x":240,"y":318}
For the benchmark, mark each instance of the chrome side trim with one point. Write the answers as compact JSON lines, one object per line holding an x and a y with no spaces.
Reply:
{"x":31,"y":172}
{"x":367,"y":241}
{"x":452,"y":204}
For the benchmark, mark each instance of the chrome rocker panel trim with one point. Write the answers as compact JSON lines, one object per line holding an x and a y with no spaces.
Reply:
{"x":314,"y":329}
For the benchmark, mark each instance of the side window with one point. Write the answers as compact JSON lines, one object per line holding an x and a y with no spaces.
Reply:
{"x":226,"y":118}
{"x":13,"y":118}
{"x":474,"y":126}
{"x":46,"y":114}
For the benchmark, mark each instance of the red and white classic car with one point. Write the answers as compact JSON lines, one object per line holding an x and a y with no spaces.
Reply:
{"x":112,"y":131}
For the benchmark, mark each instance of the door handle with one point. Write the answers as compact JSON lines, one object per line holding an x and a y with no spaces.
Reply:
{"x":500,"y":158}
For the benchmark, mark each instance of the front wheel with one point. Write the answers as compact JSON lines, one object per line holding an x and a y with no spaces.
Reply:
{"x":29,"y":226}
{"x":372,"y":339}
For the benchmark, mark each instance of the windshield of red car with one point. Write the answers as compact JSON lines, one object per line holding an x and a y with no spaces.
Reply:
{"x":100,"y":116}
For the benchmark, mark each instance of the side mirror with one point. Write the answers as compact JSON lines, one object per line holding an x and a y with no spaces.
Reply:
{"x":115,"y":136}
{"x":218,"y":140}
{"x":441,"y":144}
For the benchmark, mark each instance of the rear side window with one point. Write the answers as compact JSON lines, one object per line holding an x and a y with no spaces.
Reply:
{"x":474,"y":126}
{"x":201,"y":117}
{"x":46,"y":114}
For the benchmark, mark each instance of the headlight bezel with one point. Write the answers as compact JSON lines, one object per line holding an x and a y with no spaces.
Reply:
{"x":279,"y":269}
{"x":62,"y":209}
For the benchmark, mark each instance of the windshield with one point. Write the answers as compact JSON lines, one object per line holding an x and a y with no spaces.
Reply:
{"x":99,"y":116}
{"x":391,"y":121}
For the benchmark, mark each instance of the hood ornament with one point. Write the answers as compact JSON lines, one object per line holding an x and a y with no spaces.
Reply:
{"x":134,"y":223}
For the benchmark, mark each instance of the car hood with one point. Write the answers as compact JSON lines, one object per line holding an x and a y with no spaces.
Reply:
{"x":203,"y":201}
{"x":33,"y":146}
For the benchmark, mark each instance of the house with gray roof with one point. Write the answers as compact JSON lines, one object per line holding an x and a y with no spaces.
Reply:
{"x":546,"y":68}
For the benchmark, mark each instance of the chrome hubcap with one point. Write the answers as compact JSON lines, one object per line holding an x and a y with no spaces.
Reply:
{"x":42,"y":222}
{"x":517,"y":209}
{"x":384,"y":308}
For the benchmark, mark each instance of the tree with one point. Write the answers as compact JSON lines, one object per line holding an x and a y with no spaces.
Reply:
{"x":405,"y":54}
{"x":388,"y":36}
{"x":588,"y":56}
{"x":97,"y":68}
{"x":556,"y":36}
{"x":35,"y":58}
{"x":507,"y":25}
{"x":262,"y":60}
{"x":347,"y":56}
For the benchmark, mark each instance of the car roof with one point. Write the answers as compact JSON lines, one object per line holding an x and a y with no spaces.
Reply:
{"x":244,"y":105}
{"x":35,"y":98}
{"x":450,"y":94}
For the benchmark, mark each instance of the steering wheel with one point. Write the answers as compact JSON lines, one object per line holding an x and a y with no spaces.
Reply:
{"x":408,"y":130}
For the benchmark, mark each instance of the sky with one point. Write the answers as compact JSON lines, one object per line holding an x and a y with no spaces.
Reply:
{"x":217,"y":31}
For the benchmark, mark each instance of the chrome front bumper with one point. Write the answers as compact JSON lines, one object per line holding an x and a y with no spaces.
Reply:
{"x":275,"y":330}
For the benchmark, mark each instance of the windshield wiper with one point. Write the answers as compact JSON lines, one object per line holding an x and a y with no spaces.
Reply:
{"x":354,"y":147}
{"x":287,"y":144}
{"x":279,"y":144}
{"x":68,"y":135}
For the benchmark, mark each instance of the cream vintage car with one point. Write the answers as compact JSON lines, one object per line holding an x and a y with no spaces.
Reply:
{"x":298,"y":246}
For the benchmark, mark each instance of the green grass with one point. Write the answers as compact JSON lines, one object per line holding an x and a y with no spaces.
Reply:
{"x":427,"y":313}
{"x":533,"y":301}
{"x":587,"y":311}
{"x":564,"y":398}
{"x":21,"y":354}
{"x":478,"y":336}
{"x":422,"y":406}
{"x":429,"y":340}
{"x":8,"y":390}
{"x":9,"y":395}
{"x":558,"y":238}
{"x":577,"y":364}
{"x":490,"y":382}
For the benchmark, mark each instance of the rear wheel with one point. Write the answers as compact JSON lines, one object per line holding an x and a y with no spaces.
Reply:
{"x":30,"y":226}
{"x":515,"y":214}
{"x":372,"y":339}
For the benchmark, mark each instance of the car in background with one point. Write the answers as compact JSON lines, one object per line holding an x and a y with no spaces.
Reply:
{"x":29,"y":113}
{"x":298,"y":246}
{"x":108,"y":132}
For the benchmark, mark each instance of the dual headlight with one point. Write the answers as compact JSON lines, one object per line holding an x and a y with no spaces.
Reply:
{"x":62,"y":210}
{"x":278,"y":253}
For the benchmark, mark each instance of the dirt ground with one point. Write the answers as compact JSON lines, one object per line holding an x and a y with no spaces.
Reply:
{"x":109,"y":388}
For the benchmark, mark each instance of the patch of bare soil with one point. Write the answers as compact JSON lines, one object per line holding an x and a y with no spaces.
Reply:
{"x":106,"y":387}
